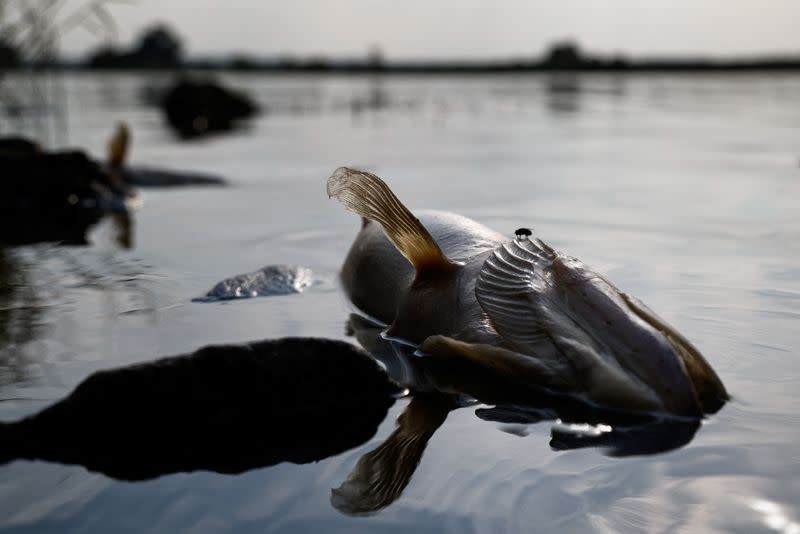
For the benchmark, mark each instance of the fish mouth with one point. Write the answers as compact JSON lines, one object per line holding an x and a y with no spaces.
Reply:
{"x":709,"y":389}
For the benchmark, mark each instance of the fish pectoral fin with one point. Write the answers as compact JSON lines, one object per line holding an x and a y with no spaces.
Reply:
{"x":367,"y":195}
{"x":600,"y":381}
{"x":505,"y":291}
{"x":510,"y":365}
{"x":118,"y":146}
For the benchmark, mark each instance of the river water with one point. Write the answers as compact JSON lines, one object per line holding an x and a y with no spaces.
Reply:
{"x":682,"y":191}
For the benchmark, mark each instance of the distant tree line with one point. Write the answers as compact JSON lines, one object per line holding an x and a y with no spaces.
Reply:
{"x":159,"y":47}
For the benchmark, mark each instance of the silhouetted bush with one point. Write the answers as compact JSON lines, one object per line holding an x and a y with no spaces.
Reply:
{"x":9,"y":56}
{"x":158,"y":47}
{"x":564,"y":54}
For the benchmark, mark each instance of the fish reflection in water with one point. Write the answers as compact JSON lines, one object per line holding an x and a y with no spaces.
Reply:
{"x":381,"y":475}
{"x":439,"y":386}
{"x":233,"y":408}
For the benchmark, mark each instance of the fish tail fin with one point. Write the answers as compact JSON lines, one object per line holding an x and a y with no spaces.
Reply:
{"x":369,"y":196}
{"x":381,"y":475}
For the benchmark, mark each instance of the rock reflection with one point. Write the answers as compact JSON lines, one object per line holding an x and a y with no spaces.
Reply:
{"x":20,"y":318}
{"x":228,"y":408}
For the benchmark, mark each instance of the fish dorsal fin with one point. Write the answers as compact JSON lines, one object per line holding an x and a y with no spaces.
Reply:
{"x":118,"y":145}
{"x":369,"y":196}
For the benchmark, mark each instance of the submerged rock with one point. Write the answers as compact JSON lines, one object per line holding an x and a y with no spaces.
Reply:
{"x":268,"y":281}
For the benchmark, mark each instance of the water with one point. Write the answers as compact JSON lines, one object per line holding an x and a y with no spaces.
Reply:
{"x":682,"y":191}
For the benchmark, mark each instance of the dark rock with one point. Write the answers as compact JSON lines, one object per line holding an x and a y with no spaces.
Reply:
{"x":52,"y":196}
{"x":17,"y":146}
{"x":195,"y":108}
{"x":227,"y":408}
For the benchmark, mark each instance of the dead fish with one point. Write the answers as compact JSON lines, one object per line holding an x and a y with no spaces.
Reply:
{"x":268,"y":281}
{"x":126,"y":175}
{"x":517,"y":307}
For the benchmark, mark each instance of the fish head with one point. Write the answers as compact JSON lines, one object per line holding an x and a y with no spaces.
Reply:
{"x":555,"y":309}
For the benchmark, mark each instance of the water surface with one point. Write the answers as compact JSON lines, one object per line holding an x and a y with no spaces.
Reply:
{"x":682,"y":191}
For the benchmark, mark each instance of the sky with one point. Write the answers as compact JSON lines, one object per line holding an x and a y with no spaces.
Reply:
{"x":459,"y":29}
